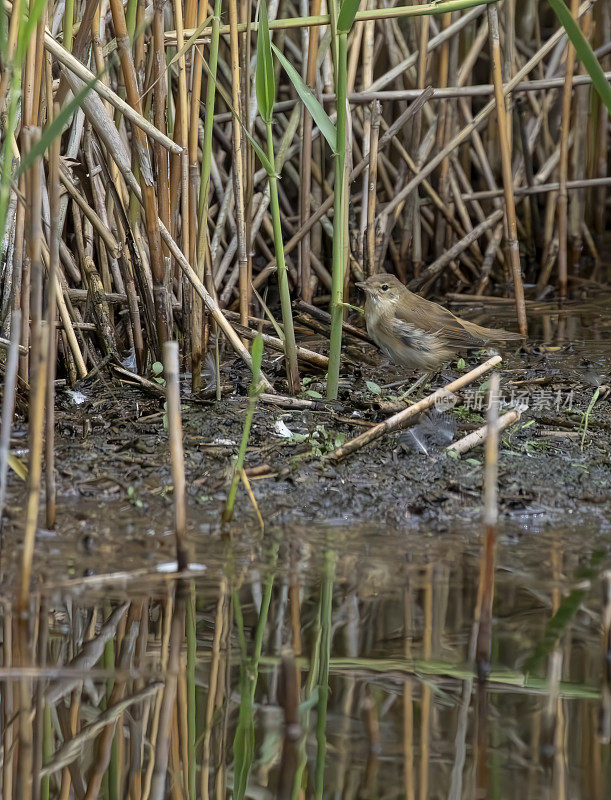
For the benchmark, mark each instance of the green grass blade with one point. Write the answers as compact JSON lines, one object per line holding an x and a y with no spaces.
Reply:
{"x":347,"y":13}
{"x":317,"y":112}
{"x":264,"y":78}
{"x":584,"y":51}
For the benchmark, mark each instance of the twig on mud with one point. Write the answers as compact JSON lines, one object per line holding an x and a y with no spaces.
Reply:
{"x":397,"y":421}
{"x":296,"y":402}
{"x":145,"y":383}
{"x":477,"y":437}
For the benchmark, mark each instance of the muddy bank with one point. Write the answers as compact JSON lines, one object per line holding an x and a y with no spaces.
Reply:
{"x":114,"y":478}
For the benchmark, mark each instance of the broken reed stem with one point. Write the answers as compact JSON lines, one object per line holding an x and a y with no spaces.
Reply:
{"x":480,"y":435}
{"x":301,"y":353}
{"x":486,"y":585}
{"x":397,"y":421}
{"x":172,"y":378}
{"x":492,"y":455}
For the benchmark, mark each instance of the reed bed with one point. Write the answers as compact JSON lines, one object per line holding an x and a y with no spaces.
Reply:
{"x":152,"y":181}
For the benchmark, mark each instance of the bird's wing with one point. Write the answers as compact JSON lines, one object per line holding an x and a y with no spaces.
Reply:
{"x":413,"y":336}
{"x":457,"y":333}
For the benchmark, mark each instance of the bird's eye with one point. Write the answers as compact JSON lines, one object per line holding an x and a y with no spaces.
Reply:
{"x":384,"y":287}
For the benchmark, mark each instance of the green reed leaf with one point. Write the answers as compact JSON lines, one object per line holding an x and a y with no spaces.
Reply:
{"x":266,"y":163}
{"x":264,"y":78}
{"x":584,"y":51}
{"x":347,"y":13}
{"x":319,"y":115}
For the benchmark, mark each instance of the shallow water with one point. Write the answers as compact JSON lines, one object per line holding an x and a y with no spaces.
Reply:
{"x":392,"y":617}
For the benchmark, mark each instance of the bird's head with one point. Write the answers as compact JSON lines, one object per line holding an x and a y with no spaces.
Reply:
{"x":382,"y":289}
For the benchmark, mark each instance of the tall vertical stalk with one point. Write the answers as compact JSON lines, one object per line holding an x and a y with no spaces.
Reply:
{"x":147,"y":184}
{"x":238,"y":166}
{"x":290,"y":349}
{"x":204,"y":186}
{"x":306,"y":162}
{"x":68,"y":24}
{"x":197,"y":307}
{"x":563,"y":167}
{"x":266,"y":94}
{"x":203,"y":253}
{"x":338,"y":268}
{"x":52,"y":343}
{"x":510,"y":205}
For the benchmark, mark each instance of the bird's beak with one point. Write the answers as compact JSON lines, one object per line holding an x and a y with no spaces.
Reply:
{"x":362,"y":285}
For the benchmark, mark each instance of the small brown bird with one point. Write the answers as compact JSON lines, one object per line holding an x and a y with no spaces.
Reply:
{"x":415,"y":332}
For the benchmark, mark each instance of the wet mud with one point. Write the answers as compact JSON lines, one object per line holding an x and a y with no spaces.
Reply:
{"x":113,"y":466}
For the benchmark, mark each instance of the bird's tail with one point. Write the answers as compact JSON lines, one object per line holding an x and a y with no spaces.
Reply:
{"x":479,"y":332}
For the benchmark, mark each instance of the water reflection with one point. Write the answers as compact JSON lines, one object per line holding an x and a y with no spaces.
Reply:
{"x":322,"y":663}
